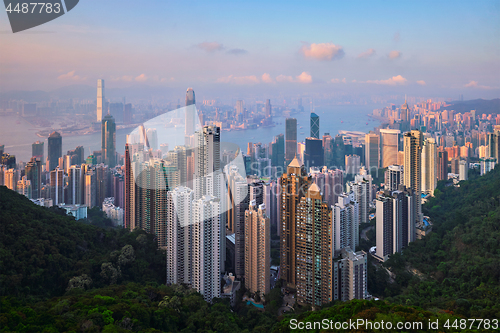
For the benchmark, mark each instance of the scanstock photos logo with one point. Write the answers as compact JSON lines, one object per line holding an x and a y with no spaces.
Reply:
{"x":28,"y":14}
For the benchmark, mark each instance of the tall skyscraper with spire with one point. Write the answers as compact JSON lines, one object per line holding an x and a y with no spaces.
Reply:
{"x":190,"y":114}
{"x":100,"y":99}
{"x":268,"y":108}
{"x":108,"y":140}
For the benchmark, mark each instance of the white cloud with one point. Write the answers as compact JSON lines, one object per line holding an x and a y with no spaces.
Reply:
{"x":421,"y":82}
{"x":323,"y":51}
{"x":475,"y":84}
{"x":210,"y":46}
{"x":141,"y":78}
{"x":304,"y":77}
{"x":70,"y":76}
{"x":338,"y":80}
{"x":368,"y":53}
{"x":251,"y":79}
{"x":267,"y":78}
{"x":393,"y":81}
{"x":284,"y":78}
{"x":394,"y":54}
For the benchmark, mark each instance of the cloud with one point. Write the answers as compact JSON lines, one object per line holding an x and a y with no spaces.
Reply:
{"x":323,"y":51}
{"x":251,"y":79}
{"x":237,"y":51}
{"x":338,"y":80}
{"x":284,"y":78}
{"x":210,"y":46}
{"x":393,"y":81}
{"x":394,"y":55}
{"x":304,"y":77}
{"x":396,"y":37}
{"x":141,"y":78}
{"x":266,"y":78}
{"x":366,"y":54}
{"x":421,"y":82}
{"x":70,"y":76}
{"x":475,"y":84}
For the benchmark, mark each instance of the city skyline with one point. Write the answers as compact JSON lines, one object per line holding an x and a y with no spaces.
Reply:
{"x":446,"y":49}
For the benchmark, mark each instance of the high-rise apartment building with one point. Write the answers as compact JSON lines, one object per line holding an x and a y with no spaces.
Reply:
{"x":257,"y":249}
{"x":412,"y":176}
{"x":74,"y":191}
{"x":57,"y":186}
{"x":54,"y":150}
{"x":101,"y":101}
{"x":190,"y":117}
{"x":313,"y":249}
{"x":314,"y":125}
{"x":24,"y":187}
{"x":33,"y":173}
{"x":361,"y":187}
{"x":442,"y":165}
{"x":290,"y":139}
{"x":108,"y":140}
{"x":350,"y":276}
{"x":396,"y":215}
{"x":389,"y":145}
{"x":345,"y":219}
{"x":429,"y":166}
{"x":207,"y":175}
{"x":313,"y":154}
{"x":37,"y":149}
{"x":463,"y":170}
{"x":393,"y":177}
{"x":294,"y":185}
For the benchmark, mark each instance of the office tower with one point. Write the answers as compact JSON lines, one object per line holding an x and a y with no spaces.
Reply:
{"x":37,"y":150}
{"x":57,"y":186}
{"x":207,"y":162}
{"x":179,"y":236}
{"x":101,"y":101}
{"x":429,"y":166}
{"x":11,"y":177}
{"x":291,"y":139}
{"x":271,"y":200}
{"x":268,"y":109}
{"x":33,"y":172}
{"x":352,"y":164}
{"x":237,"y":204}
{"x":207,"y":247}
{"x":129,"y":217}
{"x":239,"y":109}
{"x":257,"y":249}
{"x":77,"y":155}
{"x":54,"y":150}
{"x":393,"y":177}
{"x":278,"y":152}
{"x":190,"y":116}
{"x":152,"y":138}
{"x":328,"y":149}
{"x":313,"y":249}
{"x":350,"y":276}
{"x":24,"y":187}
{"x":345,"y":220}
{"x":90,"y":199}
{"x":108,"y":139}
{"x":412,"y":176}
{"x":361,"y":188}
{"x":396,"y":215}
{"x":314,"y":125}
{"x":442,"y":165}
{"x":102,"y":183}
{"x":74,"y":186}
{"x":389,"y":142}
{"x":372,"y":152}
{"x":339,"y":151}
{"x":294,"y":185}
{"x":313,"y":154}
{"x":463,"y":170}
{"x":127,"y":114}
{"x":256,"y":192}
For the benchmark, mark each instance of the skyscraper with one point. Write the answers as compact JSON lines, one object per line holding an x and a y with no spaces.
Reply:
{"x":278,"y":152}
{"x":372,"y":152}
{"x":442,"y":165}
{"x":313,"y":249}
{"x":313,"y":155}
{"x":37,"y":150}
{"x":345,"y":229}
{"x":74,"y":185}
{"x":268,"y":109}
{"x":239,"y":108}
{"x":291,"y":139}
{"x":361,"y":187}
{"x":429,"y":166}
{"x":108,"y":140}
{"x":412,"y":176}
{"x":294,"y":185}
{"x":54,"y":150}
{"x":100,"y":100}
{"x":33,"y":172}
{"x":314,"y":125}
{"x":190,"y":114}
{"x":207,"y":162}
{"x":393,"y":177}
{"x":57,"y":186}
{"x":389,"y":143}
{"x":257,"y":249}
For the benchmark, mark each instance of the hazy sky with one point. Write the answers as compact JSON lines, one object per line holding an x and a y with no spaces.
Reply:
{"x":418,"y":47}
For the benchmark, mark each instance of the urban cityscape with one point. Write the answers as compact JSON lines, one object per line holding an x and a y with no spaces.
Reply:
{"x":273,"y":207}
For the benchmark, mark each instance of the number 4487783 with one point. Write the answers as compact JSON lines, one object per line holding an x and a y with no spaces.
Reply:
{"x":31,"y":7}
